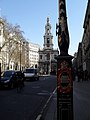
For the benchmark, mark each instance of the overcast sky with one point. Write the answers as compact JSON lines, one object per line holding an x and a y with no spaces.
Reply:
{"x":31,"y":15}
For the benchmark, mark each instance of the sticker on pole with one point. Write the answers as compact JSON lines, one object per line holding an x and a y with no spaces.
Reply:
{"x":64,"y":80}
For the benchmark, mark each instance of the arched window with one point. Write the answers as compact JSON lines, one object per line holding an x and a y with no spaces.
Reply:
{"x":48,"y":42}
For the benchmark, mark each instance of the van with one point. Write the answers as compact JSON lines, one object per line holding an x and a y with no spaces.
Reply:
{"x":31,"y":74}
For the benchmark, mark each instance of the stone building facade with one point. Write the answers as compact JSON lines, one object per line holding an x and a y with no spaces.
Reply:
{"x":82,"y":59}
{"x":86,"y":41}
{"x":47,"y":62}
{"x":79,"y":57}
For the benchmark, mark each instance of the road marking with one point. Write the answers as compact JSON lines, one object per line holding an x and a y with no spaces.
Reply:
{"x":43,"y":93}
{"x":40,"y":115}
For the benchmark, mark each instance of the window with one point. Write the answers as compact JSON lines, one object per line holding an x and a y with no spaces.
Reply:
{"x":48,"y":41}
{"x":48,"y":31}
{"x":0,"y":32}
{"x":40,"y":56}
{"x":48,"y":56}
{"x":55,"y":56}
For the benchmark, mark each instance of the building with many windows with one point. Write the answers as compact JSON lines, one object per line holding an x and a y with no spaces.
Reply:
{"x":82,"y":59}
{"x":47,"y":61}
{"x":33,"y":54}
{"x":86,"y":41}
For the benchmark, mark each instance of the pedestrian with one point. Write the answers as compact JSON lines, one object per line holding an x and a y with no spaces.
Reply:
{"x":20,"y":81}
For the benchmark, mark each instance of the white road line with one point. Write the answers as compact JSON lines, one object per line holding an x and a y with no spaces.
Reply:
{"x":40,"y":115}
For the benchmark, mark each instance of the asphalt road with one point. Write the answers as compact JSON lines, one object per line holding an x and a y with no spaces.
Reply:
{"x":27,"y":104}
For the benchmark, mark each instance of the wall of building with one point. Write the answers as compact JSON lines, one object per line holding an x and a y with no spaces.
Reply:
{"x":83,"y":53}
{"x":33,"y":54}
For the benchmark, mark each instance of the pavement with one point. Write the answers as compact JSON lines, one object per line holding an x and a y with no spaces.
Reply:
{"x":51,"y":113}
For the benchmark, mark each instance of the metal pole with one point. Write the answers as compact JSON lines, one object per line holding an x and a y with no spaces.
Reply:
{"x":64,"y":68}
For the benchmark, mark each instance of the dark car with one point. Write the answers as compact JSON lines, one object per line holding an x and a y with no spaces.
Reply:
{"x":8,"y":79}
{"x":31,"y":74}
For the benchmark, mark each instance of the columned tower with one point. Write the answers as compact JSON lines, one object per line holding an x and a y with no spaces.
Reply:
{"x":47,"y":61}
{"x":48,"y":43}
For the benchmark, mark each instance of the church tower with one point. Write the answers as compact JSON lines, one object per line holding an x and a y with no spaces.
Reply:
{"x":47,"y":61}
{"x":48,"y":42}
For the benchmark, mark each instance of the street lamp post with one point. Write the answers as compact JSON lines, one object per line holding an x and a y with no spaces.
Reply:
{"x":64,"y":68}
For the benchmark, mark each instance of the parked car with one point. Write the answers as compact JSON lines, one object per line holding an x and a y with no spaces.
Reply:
{"x":31,"y":74}
{"x":9,"y":78}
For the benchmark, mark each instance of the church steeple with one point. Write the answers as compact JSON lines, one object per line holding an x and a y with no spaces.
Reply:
{"x":48,"y":43}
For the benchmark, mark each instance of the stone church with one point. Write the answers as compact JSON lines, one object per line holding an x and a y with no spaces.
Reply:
{"x":47,"y":61}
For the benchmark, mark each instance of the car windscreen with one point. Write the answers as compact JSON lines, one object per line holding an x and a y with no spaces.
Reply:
{"x":30,"y":70}
{"x":7,"y":73}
